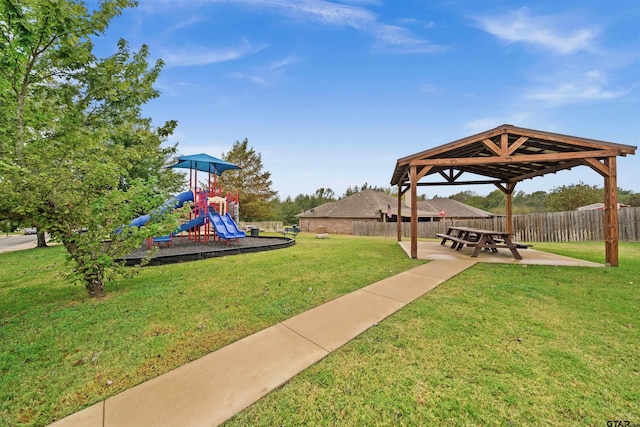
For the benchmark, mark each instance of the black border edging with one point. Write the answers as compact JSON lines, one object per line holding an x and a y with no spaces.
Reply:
{"x":195,"y":256}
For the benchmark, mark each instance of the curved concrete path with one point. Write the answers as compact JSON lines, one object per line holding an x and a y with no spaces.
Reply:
{"x":210,"y":390}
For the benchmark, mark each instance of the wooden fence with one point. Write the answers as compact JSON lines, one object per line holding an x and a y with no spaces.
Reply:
{"x":262,"y":225}
{"x":571,"y":226}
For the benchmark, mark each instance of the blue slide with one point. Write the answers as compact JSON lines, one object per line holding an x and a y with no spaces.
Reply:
{"x":231,"y":225}
{"x":173,"y":203}
{"x":221,"y":228}
{"x":190,"y":224}
{"x":184,"y":227}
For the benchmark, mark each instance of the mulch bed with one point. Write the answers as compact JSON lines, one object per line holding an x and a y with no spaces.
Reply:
{"x":182,"y":249}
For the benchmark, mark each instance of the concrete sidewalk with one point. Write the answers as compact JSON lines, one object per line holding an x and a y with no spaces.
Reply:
{"x":212,"y":389}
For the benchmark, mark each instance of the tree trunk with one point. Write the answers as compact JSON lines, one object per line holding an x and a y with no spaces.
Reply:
{"x":95,"y":288}
{"x":42,"y":242}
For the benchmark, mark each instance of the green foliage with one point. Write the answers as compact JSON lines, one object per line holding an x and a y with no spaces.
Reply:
{"x":105,"y":236}
{"x":571,"y":197}
{"x":559,"y":199}
{"x":71,"y":136}
{"x":287,"y":210}
{"x":8,"y":226}
{"x":252,"y":183}
{"x":629,"y":198}
{"x":366,"y":186}
{"x":470,"y":198}
{"x":524,"y":203}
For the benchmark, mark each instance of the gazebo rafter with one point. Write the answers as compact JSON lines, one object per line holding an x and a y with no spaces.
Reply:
{"x":505,"y":156}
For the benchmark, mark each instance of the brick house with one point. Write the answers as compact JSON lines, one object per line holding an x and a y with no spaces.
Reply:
{"x":376,"y":206}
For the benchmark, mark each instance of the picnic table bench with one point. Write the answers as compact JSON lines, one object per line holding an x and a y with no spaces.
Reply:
{"x":290,"y":230}
{"x":458,"y":242}
{"x":488,"y":240}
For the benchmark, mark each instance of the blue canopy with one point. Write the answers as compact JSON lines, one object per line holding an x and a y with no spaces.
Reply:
{"x":204,"y":163}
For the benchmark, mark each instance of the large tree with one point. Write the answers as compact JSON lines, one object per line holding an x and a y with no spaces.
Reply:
{"x":76,"y":157}
{"x":571,"y":197}
{"x":252,"y":183}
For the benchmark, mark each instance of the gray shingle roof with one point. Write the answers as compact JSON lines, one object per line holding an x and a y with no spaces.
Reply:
{"x":370,"y":204}
{"x":454,"y":209}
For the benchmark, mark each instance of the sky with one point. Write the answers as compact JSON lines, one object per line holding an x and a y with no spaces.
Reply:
{"x":332,"y":93}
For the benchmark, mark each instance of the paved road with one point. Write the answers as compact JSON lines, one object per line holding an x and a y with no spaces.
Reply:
{"x":15,"y":243}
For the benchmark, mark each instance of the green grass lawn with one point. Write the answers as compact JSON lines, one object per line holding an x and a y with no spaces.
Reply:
{"x":496,"y":345}
{"x":62,"y":351}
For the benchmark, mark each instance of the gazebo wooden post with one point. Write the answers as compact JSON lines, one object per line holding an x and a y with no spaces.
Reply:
{"x":509,"y":206}
{"x":413,"y":179}
{"x":509,"y":212}
{"x":399,"y":216}
{"x":611,"y":221}
{"x":508,"y":193}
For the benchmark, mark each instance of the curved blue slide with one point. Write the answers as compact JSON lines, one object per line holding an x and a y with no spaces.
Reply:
{"x":173,"y":203}
{"x":223,"y":228}
{"x":187,"y":226}
{"x":231,"y":225}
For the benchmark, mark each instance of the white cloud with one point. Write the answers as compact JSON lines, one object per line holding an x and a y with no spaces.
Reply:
{"x":206,"y":55}
{"x":184,"y":24}
{"x":318,"y":10}
{"x":400,"y":40}
{"x":368,"y":2}
{"x":389,"y":39}
{"x":254,"y":78}
{"x":429,"y":88}
{"x":546,"y":31}
{"x":591,"y":85}
{"x":483,"y":124}
{"x":266,"y":75}
{"x":519,"y":118}
{"x":277,"y":65}
{"x":568,"y":93}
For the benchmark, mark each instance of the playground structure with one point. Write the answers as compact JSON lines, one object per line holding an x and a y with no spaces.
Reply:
{"x":210,"y":214}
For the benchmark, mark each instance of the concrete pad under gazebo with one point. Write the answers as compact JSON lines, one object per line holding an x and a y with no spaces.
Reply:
{"x":504,"y":156}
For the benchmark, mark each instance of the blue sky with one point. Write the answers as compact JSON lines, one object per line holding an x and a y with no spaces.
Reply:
{"x":332,"y":93}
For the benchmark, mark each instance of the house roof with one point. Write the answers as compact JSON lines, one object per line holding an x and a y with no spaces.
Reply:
{"x":371,"y":203}
{"x":453,"y":208}
{"x":364,"y":204}
{"x":506,"y":155}
{"x":598,"y":207}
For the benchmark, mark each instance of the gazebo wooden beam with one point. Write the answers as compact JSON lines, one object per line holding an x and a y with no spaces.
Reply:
{"x":452,"y":176}
{"x":552,"y":169}
{"x":513,"y":147}
{"x":597,"y":166}
{"x":525,"y":158}
{"x":475,"y":182}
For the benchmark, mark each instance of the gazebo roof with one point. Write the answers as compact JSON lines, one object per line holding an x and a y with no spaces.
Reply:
{"x":506,"y":155}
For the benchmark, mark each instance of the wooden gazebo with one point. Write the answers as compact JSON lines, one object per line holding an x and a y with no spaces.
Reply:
{"x":505,"y":156}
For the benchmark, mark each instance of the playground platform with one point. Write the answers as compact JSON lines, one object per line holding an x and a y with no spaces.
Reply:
{"x":210,"y":390}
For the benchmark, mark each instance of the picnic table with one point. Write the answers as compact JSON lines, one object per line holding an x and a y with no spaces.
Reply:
{"x":489,"y":240}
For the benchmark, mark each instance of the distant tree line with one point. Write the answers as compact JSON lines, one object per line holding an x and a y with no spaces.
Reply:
{"x":563,"y":198}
